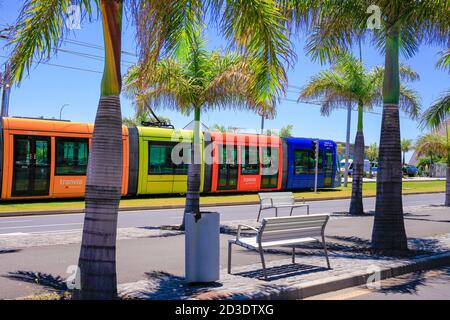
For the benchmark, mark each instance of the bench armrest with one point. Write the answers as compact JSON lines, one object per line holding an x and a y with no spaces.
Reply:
{"x":240,"y":227}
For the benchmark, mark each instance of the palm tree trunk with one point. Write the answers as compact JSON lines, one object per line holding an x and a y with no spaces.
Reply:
{"x":356,"y":203}
{"x":194,"y":172}
{"x":447,"y":187}
{"x":447,"y":178}
{"x":97,"y":261}
{"x":389,"y":229}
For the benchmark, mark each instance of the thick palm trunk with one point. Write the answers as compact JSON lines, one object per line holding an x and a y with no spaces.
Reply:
{"x":356,"y":202}
{"x":389,"y":229}
{"x":97,"y":261}
{"x":194,"y":172}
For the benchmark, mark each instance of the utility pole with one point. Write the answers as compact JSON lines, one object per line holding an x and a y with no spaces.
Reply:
{"x":262,"y":123}
{"x":6,"y":91}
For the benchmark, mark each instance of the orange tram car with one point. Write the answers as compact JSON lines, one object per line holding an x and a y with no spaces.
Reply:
{"x":46,"y":159}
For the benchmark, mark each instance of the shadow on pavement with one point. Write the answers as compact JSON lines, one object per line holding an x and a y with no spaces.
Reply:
{"x":409,"y":283}
{"x":44,"y":280}
{"x":166,"y":286}
{"x":5,"y":251}
{"x":281,"y":272}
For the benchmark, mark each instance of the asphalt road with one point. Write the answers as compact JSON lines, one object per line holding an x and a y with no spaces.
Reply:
{"x":423,"y":285}
{"x":19,"y":268}
{"x":70,"y":222}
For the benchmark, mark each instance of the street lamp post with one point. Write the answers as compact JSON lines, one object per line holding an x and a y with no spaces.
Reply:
{"x":61,"y":110}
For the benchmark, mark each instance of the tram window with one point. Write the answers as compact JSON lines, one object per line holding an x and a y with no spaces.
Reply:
{"x":160,"y":159}
{"x":304,"y":162}
{"x":249,"y":160}
{"x":301,"y":161}
{"x":71,"y":157}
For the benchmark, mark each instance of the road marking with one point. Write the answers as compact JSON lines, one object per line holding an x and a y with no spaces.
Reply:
{"x":15,"y":221}
{"x":55,"y":232}
{"x":42,"y":225}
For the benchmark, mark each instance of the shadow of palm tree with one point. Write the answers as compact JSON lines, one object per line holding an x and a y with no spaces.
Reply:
{"x":281,"y":272}
{"x":166,"y":286}
{"x":167,"y":232}
{"x":5,"y":251}
{"x":44,"y":280}
{"x":408,"y":283}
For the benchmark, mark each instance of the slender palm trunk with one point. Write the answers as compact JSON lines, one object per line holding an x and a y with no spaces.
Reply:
{"x":97,"y":261}
{"x":447,"y":187}
{"x":389,"y":228}
{"x":404,"y":156}
{"x":356,"y":203}
{"x":447,"y":178}
{"x":194,"y":172}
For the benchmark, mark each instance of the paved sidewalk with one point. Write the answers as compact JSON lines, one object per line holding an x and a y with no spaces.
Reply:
{"x":306,"y":278}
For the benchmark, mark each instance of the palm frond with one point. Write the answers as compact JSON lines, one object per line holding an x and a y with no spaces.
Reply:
{"x":161,"y":26}
{"x":257,"y":28}
{"x":438,"y":113}
{"x":39,"y":29}
{"x":444,"y":61}
{"x":409,"y":102}
{"x":431,"y":144}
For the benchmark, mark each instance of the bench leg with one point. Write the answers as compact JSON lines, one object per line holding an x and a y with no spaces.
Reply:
{"x":293,"y":254}
{"x":291,"y":211}
{"x":276,"y":212}
{"x":229,"y":257}
{"x":326,"y":253}
{"x":307,"y":210}
{"x":261,"y":253}
{"x":259,"y":213}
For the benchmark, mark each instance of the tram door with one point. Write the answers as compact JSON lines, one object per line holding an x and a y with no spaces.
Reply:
{"x":329,"y":169}
{"x":31,"y":172}
{"x":228,"y":168}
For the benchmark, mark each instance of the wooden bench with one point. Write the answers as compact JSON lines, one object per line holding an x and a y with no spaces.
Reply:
{"x":283,"y":231}
{"x":276,"y":200}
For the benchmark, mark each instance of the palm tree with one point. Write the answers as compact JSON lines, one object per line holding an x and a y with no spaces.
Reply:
{"x":404,"y":26}
{"x":348,"y":82}
{"x":406,"y":146}
{"x":435,"y":117}
{"x":431,"y":145}
{"x":194,"y":80}
{"x":39,"y":28}
{"x":372,"y":156}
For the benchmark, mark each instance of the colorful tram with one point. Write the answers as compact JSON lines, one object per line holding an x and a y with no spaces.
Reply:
{"x":45,"y":159}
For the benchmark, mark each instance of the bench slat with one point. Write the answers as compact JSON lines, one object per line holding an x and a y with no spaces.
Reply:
{"x":293,"y":225}
{"x":311,"y":217}
{"x":290,"y":234}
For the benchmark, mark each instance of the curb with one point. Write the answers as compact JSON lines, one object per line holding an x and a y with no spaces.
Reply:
{"x":179,"y":206}
{"x":358,"y":278}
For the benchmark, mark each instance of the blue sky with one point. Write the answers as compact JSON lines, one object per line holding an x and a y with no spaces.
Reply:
{"x":47,"y":88}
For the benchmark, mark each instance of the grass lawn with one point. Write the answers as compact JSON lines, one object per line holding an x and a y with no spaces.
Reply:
{"x":368,"y":190}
